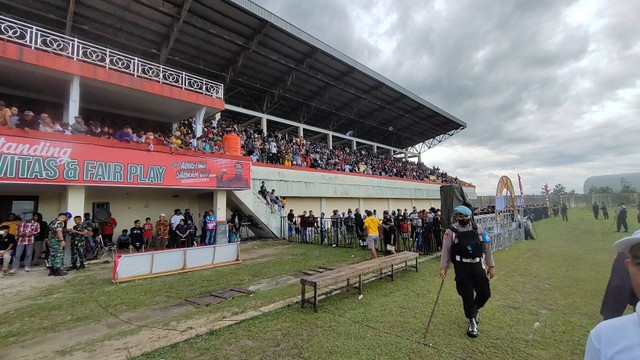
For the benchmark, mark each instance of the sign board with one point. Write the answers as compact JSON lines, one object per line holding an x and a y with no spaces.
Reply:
{"x":42,"y":161}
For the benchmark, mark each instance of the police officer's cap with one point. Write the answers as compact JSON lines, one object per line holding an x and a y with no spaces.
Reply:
{"x":462,"y":210}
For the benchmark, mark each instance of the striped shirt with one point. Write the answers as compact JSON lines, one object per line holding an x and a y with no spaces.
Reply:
{"x":27,"y":232}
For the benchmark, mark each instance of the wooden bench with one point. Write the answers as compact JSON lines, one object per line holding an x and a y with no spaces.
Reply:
{"x":346,"y":273}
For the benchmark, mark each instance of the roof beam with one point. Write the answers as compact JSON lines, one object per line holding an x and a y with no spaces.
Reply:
{"x":235,"y":64}
{"x":175,"y":29}
{"x":70,"y":10}
{"x":273,"y":97}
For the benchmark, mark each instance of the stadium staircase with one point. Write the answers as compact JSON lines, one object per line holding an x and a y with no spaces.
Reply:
{"x":262,"y":222}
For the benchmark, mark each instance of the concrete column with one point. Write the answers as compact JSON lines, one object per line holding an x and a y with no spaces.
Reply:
{"x":72,"y":105}
{"x":220,"y":209}
{"x":391,"y":152}
{"x":323,"y":206}
{"x":199,"y":120}
{"x":300,"y":131}
{"x":375,"y":149}
{"x":220,"y":204}
{"x":263,"y":125}
{"x":389,"y":205}
{"x":353,"y":144}
{"x":73,"y":200}
{"x":406,"y":156}
{"x":330,"y":141}
{"x":361,"y":205}
{"x":419,"y":157}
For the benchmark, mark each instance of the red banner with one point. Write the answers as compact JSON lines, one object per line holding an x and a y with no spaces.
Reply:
{"x":33,"y":160}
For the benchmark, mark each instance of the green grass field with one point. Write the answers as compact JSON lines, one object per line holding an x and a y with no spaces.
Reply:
{"x":73,"y":301}
{"x":545,"y":299}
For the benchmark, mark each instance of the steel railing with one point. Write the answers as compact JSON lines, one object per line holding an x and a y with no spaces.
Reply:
{"x":78,"y":50}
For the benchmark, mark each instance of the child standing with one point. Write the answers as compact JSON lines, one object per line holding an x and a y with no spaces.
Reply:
{"x":148,"y":233}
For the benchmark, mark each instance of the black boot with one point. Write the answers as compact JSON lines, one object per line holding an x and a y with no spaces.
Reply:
{"x":51,"y":272}
{"x":59,"y":272}
{"x":72,"y":267}
{"x":472,"y":330}
{"x":81,"y":266}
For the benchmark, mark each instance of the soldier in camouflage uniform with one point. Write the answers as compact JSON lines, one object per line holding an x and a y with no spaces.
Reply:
{"x":78,"y":234}
{"x":56,"y":244}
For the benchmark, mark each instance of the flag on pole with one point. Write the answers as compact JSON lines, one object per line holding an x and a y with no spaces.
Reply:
{"x":521,"y":192}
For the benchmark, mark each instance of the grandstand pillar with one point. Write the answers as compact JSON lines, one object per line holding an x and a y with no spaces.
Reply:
{"x":353,"y":144}
{"x":72,"y":105}
{"x":330,"y":141}
{"x":361,"y":204}
{"x":220,"y":204}
{"x":391,"y":152}
{"x":199,"y":120}
{"x":220,"y":208}
{"x":406,"y":156}
{"x":300,"y":131}
{"x":375,"y":149}
{"x":419,"y":157}
{"x":263,"y":126}
{"x":323,"y":205}
{"x":73,"y":200}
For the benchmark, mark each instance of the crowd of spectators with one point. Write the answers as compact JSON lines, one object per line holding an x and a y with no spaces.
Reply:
{"x":272,"y":147}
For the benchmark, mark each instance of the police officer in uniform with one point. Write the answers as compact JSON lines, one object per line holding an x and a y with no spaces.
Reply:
{"x":466,"y":244}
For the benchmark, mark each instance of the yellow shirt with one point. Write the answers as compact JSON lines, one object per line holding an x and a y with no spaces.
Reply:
{"x":371,"y":223}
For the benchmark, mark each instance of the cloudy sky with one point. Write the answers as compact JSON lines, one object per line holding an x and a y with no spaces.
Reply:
{"x":549,"y":89}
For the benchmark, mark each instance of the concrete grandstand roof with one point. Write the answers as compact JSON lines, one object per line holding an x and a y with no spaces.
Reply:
{"x":266,"y":64}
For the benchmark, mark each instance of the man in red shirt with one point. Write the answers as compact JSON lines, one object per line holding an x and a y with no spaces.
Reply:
{"x":27,"y":230}
{"x":106,"y":229}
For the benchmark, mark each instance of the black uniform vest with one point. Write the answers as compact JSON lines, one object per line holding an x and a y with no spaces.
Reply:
{"x":468,"y":245}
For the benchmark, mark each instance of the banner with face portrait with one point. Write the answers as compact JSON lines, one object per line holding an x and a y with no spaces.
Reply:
{"x":53,"y":160}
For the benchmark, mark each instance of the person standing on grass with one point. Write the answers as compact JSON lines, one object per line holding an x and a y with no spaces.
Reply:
{"x":78,"y":232}
{"x":390,"y":236}
{"x":563,"y":212}
{"x":56,"y":244}
{"x":372,"y":229}
{"x":596,"y":209}
{"x":27,"y":231}
{"x":621,"y":218}
{"x":605,"y":211}
{"x":466,"y":244}
{"x":619,"y":338}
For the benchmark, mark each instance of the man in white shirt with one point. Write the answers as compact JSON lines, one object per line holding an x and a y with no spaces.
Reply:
{"x":174,"y":221}
{"x":619,"y":338}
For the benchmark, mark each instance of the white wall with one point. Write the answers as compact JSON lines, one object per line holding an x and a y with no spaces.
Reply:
{"x":325,"y":191}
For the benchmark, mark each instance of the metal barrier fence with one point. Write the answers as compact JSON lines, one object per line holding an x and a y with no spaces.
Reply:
{"x":42,"y":39}
{"x":425,"y":238}
{"x":503,"y":228}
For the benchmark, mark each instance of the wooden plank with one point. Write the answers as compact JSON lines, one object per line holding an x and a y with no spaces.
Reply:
{"x":205,"y":300}
{"x":243,"y":290}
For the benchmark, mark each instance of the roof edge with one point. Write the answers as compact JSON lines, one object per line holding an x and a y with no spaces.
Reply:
{"x":287,"y":26}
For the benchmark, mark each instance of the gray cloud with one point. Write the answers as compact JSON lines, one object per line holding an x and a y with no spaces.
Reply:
{"x":544,"y":97}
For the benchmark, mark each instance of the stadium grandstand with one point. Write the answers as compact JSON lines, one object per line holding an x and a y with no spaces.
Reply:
{"x":138,"y":107}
